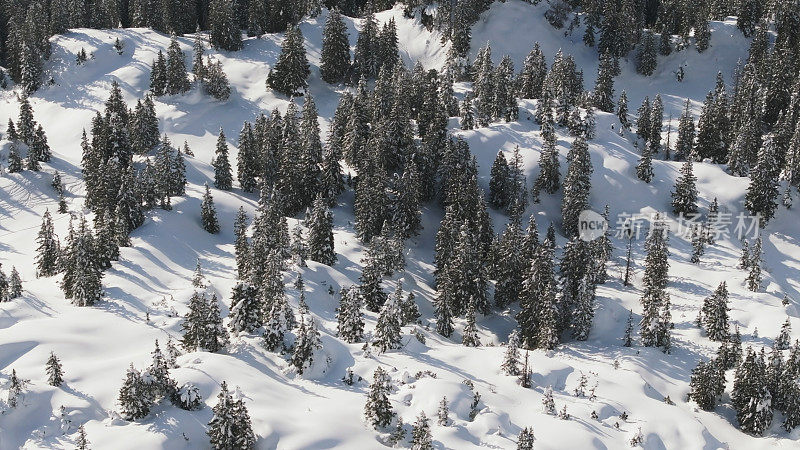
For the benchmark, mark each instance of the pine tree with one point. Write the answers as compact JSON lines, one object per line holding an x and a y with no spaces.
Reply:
{"x":762,"y":194}
{"x":83,"y":274}
{"x":134,"y":397}
{"x":470,"y":334}
{"x":548,"y":404}
{"x":247,"y":167}
{"x":627,"y":340}
{"x":246,"y":310}
{"x":335,"y":58}
{"x":467,"y":120}
{"x":534,"y":70}
{"x":754,"y":275}
{"x":686,"y":135}
{"x":82,"y":443}
{"x":510,"y":364}
{"x":208,"y":213}
{"x":216,"y":82}
{"x":158,"y":75}
{"x":654,"y":297}
{"x":549,"y":175}
{"x":55,"y":373}
{"x":230,"y":426}
{"x":622,"y":111}
{"x":223,"y":179}
{"x":225,"y":32}
{"x":241,"y":244}
{"x":14,"y":160}
{"x":603,"y":95}
{"x":498,"y":191}
{"x":387,"y":328}
{"x":378,"y":410}
{"x":177,"y":80}
{"x":525,"y":439}
{"x":291,"y":69}
{"x":715,"y":314}
{"x":643,"y":125}
{"x":577,"y":184}
{"x":320,"y":234}
{"x":665,"y":43}
{"x":750,"y":397}
{"x":305,"y":345}
{"x":156,"y":377}
{"x":647,"y":59}
{"x":443,"y":413}
{"x":684,"y":196}
{"x":644,"y":170}
{"x":783,"y":339}
{"x":421,"y":438}
{"x":48,"y":249}
{"x":349,"y":317}
{"x":198,"y":50}
{"x":365,"y":58}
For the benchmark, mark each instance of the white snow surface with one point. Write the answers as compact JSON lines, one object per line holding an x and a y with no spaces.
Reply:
{"x":318,"y":411}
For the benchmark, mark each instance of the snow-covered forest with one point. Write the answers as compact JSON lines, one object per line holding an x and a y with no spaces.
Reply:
{"x":297,"y":224}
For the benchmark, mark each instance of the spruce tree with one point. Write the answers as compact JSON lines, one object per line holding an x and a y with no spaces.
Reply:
{"x":55,"y":373}
{"x":421,"y":438}
{"x":208,"y":213}
{"x":305,"y":345}
{"x":684,"y":196}
{"x":622,"y":111}
{"x":350,"y":320}
{"x":603,"y":95}
{"x":225,"y":31}
{"x":48,"y":249}
{"x":134,"y":398}
{"x":644,"y":170}
{"x":241,"y":244}
{"x":387,"y":328}
{"x":82,"y":280}
{"x":216,"y":82}
{"x":248,"y":164}
{"x":654,"y":297}
{"x":230,"y":426}
{"x":510,"y":364}
{"x":627,"y":339}
{"x":783,"y":340}
{"x":643,"y":126}
{"x":750,"y":397}
{"x":577,"y":184}
{"x":158,"y":75}
{"x":754,"y":275}
{"x":14,"y":160}
{"x":525,"y":439}
{"x":715,"y":314}
{"x":377,"y":409}
{"x":223,"y":179}
{"x":246,"y":311}
{"x":647,"y":59}
{"x":335,"y":57}
{"x":762,"y":194}
{"x":82,"y":442}
{"x":177,"y":80}
{"x":291,"y":69}
{"x":686,"y":134}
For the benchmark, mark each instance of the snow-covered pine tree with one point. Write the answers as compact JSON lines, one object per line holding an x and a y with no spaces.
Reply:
{"x":498,"y":192}
{"x":715,"y":314}
{"x":750,"y":397}
{"x":762,"y":194}
{"x":225,"y":31}
{"x":223,"y":178}
{"x":177,"y":79}
{"x":525,"y":439}
{"x":208,"y":213}
{"x":82,"y":442}
{"x":577,"y":184}
{"x":289,"y":74}
{"x":510,"y":364}
{"x":158,"y":75}
{"x":48,"y":248}
{"x":655,"y":282}
{"x":215,"y":82}
{"x":783,"y":340}
{"x":14,"y":160}
{"x":306,"y":344}
{"x":627,"y":339}
{"x":754,"y":264}
{"x":644,"y":170}
{"x":246,"y":311}
{"x":421,"y":438}
{"x":320,"y":234}
{"x":230,"y":426}
{"x":684,"y":144}
{"x":469,"y":336}
{"x":350,"y":320}
{"x":684,"y":195}
{"x":247,"y":159}
{"x":643,"y":126}
{"x":443,"y":413}
{"x":156,"y":377}
{"x":622,"y":111}
{"x":55,"y":373}
{"x":387,"y":328}
{"x":335,"y":59}
{"x":647,"y":58}
{"x":548,"y":404}
{"x":603,"y":94}
{"x":377,"y":409}
{"x":134,"y":397}
{"x":549,"y":166}
{"x":82,"y":279}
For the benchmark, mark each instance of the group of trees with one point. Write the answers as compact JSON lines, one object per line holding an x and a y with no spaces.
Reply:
{"x":762,"y":384}
{"x":27,"y":133}
{"x":10,"y":286}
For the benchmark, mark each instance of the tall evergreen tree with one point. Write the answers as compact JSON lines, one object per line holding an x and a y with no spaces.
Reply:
{"x":223,"y":179}
{"x":291,"y":69}
{"x":377,"y":409}
{"x":335,"y":58}
{"x":177,"y":80}
{"x":225,"y":31}
{"x":208,"y":213}
{"x":230,"y":426}
{"x":48,"y":249}
{"x":684,"y":196}
{"x":55,"y":373}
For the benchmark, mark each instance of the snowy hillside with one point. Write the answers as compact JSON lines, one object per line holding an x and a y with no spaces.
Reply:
{"x":148,"y":290}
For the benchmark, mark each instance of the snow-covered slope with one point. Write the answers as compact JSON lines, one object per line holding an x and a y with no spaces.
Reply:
{"x":153,"y":277}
